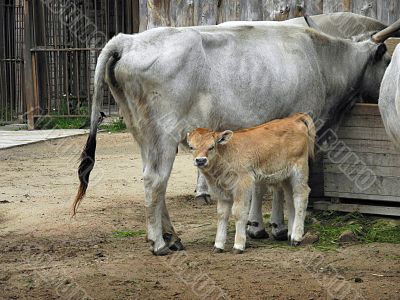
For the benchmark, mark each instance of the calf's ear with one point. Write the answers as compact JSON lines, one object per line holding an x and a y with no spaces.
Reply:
{"x":224,"y":137}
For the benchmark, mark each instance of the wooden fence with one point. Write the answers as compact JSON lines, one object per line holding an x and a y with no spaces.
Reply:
{"x":154,"y":13}
{"x":47,"y":64}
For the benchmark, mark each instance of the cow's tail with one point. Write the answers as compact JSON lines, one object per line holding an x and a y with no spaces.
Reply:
{"x":105,"y":63}
{"x":308,"y":121}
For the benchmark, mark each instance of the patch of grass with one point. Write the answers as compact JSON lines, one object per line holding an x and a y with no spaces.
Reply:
{"x":116,"y":126}
{"x":382,"y":231}
{"x":63,"y":122}
{"x":368,"y":229}
{"x":129,"y":233}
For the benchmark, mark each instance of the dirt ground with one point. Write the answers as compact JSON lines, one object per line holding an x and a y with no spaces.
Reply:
{"x":44,"y":254}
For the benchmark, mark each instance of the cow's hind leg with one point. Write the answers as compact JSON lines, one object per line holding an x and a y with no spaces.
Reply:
{"x":157,"y":164}
{"x":256,"y":228}
{"x":202,"y":193}
{"x":278,"y":228}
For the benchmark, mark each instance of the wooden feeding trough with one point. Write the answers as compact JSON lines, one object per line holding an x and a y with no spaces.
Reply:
{"x":361,"y":170}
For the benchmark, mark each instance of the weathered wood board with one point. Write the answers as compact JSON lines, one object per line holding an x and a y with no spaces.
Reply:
{"x":364,"y":209}
{"x":363,"y":163}
{"x":391,"y":44}
{"x":155,"y":13}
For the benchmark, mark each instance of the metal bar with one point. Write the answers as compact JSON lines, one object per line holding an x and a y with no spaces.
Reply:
{"x":87,"y":59}
{"x":66,"y":80}
{"x":35,"y":80}
{"x":39,"y":49}
{"x":28,"y":67}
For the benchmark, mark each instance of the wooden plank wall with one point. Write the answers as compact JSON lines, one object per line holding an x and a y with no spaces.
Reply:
{"x":364,"y":163}
{"x":154,"y":13}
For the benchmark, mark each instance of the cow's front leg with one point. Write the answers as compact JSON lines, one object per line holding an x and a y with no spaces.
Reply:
{"x":202,"y":193}
{"x":157,"y":165}
{"x":240,"y":212}
{"x":277,"y":224}
{"x":223,"y":211}
{"x":255,"y":228}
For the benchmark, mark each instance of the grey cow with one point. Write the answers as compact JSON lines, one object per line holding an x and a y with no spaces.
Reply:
{"x":389,"y":99}
{"x":342,"y":24}
{"x":168,"y":81}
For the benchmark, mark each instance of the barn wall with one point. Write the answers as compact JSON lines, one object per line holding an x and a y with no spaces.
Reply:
{"x":154,"y":13}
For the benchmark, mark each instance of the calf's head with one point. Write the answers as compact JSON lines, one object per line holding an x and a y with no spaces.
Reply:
{"x":204,"y":143}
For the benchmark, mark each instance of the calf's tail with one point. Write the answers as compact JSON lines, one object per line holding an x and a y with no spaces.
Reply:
{"x":105,"y":63}
{"x":308,"y":121}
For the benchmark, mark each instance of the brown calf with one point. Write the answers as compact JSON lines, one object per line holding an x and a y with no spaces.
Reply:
{"x":232,"y":161}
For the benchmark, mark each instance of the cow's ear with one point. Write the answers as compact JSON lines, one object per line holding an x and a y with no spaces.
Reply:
{"x":380,"y":52}
{"x":224,"y":137}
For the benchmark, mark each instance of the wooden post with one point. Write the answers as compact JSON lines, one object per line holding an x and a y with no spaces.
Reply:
{"x":28,"y":80}
{"x":135,"y":16}
{"x":277,"y":10}
{"x":365,"y":7}
{"x":313,"y":7}
{"x":158,"y":13}
{"x":297,"y":8}
{"x":205,"y":12}
{"x":251,"y":10}
{"x":388,"y":11}
{"x":229,"y":10}
{"x":182,"y":13}
{"x":332,"y":6}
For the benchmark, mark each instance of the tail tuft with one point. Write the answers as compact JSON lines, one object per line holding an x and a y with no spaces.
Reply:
{"x":87,"y":163}
{"x":85,"y":167}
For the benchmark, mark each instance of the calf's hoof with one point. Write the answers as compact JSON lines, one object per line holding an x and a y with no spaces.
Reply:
{"x":163,"y":251}
{"x":237,"y":251}
{"x":255,"y":233}
{"x":177,"y":246}
{"x":203,"y":199}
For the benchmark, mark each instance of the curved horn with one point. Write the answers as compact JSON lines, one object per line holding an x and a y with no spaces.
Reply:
{"x":386,"y":33}
{"x":310,"y":22}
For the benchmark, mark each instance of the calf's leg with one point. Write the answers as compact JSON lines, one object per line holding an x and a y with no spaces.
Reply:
{"x":223,"y":210}
{"x":240,"y":212}
{"x":288,"y":195}
{"x":300,"y":201}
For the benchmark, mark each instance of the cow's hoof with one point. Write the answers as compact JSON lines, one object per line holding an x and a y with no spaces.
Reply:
{"x":163,"y":251}
{"x":237,"y":251}
{"x":280,"y":234}
{"x":203,"y":199}
{"x":295,"y":243}
{"x":217,"y":250}
{"x":255,"y":233}
{"x":177,"y":246}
